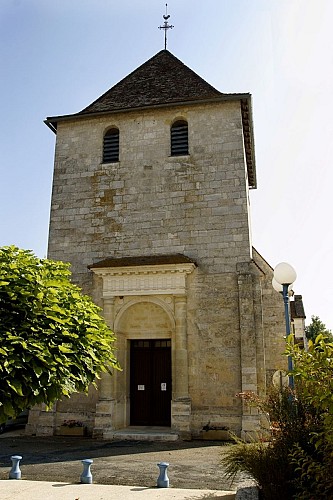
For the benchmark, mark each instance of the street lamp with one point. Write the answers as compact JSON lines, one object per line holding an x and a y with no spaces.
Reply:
{"x":284,"y":277}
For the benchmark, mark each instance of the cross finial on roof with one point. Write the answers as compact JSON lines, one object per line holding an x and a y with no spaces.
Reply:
{"x":166,"y":26}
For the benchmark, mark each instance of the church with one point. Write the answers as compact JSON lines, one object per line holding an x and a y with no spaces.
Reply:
{"x":150,"y":205}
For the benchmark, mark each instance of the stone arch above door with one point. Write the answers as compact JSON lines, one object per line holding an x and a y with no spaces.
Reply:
{"x":145,"y":316}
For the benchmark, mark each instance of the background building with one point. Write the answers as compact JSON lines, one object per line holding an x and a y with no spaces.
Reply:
{"x":297,"y":315}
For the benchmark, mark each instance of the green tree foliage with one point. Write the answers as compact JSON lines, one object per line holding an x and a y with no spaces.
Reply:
{"x":53,"y":341}
{"x":317,"y":327}
{"x":297,"y":460}
{"x":313,"y":372}
{"x":267,"y":458}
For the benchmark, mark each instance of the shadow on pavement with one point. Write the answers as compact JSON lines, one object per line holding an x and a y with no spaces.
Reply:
{"x":59,"y":448}
{"x":193,"y":464}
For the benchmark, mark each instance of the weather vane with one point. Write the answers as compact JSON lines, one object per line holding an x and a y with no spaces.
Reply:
{"x":166,"y":26}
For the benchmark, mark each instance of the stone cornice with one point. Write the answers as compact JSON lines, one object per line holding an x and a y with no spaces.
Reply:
{"x":166,"y":279}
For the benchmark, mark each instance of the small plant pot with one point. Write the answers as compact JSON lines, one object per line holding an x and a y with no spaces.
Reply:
{"x":72,"y":431}
{"x":216,"y":435}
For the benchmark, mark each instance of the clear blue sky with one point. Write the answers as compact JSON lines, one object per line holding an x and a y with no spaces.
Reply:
{"x":59,"y":56}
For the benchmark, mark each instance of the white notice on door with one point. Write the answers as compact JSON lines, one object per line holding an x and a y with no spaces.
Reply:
{"x":163,"y":386}
{"x":141,"y":387}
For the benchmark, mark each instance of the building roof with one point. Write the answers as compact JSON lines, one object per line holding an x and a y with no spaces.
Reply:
{"x":163,"y":81}
{"x":142,"y":260}
{"x":297,"y":307}
{"x":160,"y":80}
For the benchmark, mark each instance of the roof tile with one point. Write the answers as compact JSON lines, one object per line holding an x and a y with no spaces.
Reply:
{"x":163,"y":79}
{"x":142,"y":260}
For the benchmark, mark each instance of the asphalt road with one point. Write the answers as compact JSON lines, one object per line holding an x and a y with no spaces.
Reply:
{"x":193,"y":464}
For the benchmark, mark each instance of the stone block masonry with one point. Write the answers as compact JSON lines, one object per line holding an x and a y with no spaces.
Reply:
{"x":131,"y":207}
{"x":150,"y":203}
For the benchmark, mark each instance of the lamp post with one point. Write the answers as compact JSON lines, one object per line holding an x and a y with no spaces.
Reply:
{"x":284,"y":277}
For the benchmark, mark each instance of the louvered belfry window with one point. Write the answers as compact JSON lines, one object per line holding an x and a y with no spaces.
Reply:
{"x":179,"y":138}
{"x":111,"y":146}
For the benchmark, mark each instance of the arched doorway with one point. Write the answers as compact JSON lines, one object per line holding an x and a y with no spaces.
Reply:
{"x":145,"y":328}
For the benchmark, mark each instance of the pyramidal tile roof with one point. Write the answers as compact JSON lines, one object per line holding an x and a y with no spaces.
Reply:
{"x":163,"y":79}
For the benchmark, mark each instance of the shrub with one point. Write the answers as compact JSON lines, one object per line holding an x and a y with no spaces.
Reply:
{"x":265,"y":463}
{"x":292,"y":423}
{"x":313,"y":372}
{"x":313,"y":473}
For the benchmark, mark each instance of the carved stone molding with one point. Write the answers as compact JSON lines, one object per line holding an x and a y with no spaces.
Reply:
{"x":145,"y":280}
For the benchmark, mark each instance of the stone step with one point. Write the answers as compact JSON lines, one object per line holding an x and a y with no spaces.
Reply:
{"x":141,"y":434}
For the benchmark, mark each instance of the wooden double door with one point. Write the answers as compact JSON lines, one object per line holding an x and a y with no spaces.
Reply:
{"x":150,"y":382}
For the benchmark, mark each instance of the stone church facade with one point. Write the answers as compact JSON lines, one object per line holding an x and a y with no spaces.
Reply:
{"x":150,"y":205}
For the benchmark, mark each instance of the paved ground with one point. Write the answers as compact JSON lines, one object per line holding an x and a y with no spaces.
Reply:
{"x":40,"y":490}
{"x":193,"y":465}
